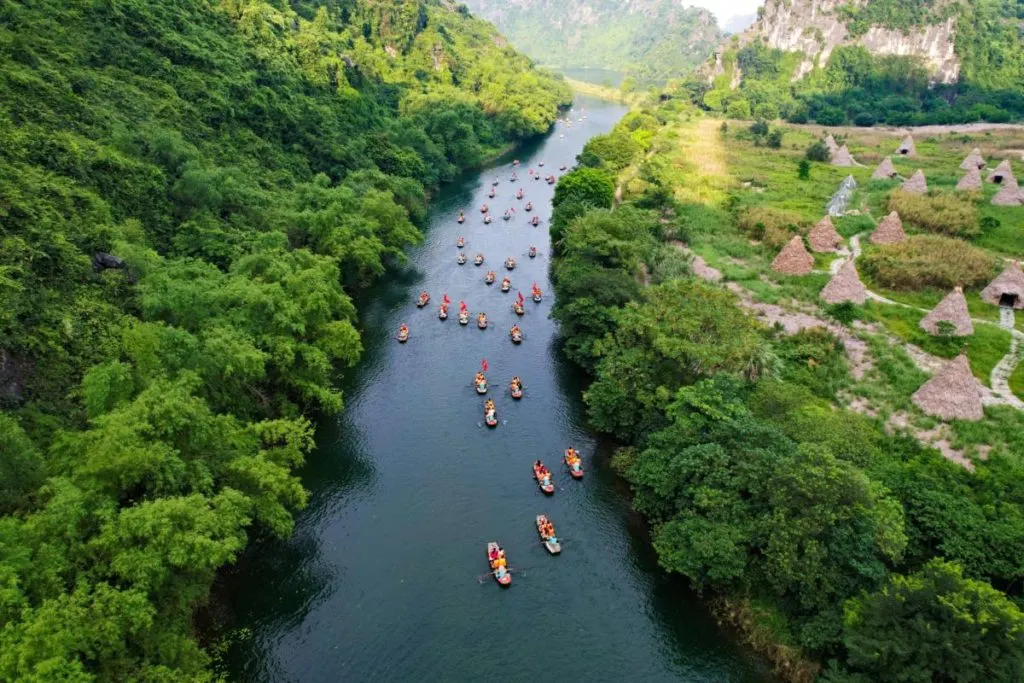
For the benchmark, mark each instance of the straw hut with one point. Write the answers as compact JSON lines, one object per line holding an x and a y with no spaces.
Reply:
{"x":823,"y":236}
{"x":889,"y":231}
{"x":952,"y":310}
{"x":971,"y":182}
{"x":916,"y":184}
{"x":952,"y":394}
{"x":1009,"y":195}
{"x":845,"y":286}
{"x":1007,"y":289}
{"x":907,"y":148}
{"x":1003,"y":172}
{"x":885,"y":170}
{"x":831,"y":144}
{"x":973,"y":161}
{"x":842,"y":157}
{"x":794,"y":259}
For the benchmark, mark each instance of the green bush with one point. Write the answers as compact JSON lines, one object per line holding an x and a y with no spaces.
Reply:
{"x":928,"y":261}
{"x":818,"y":152}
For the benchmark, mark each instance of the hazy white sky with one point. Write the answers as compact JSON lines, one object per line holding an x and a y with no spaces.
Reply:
{"x":724,"y":9}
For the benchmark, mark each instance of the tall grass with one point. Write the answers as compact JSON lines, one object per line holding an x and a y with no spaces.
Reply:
{"x":924,"y":261}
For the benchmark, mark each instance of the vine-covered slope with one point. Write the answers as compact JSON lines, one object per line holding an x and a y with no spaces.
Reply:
{"x":188,"y":189}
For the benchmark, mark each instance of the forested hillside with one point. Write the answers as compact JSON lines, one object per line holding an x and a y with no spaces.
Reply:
{"x":648,"y":40}
{"x":900,"y":62}
{"x":189,"y":192}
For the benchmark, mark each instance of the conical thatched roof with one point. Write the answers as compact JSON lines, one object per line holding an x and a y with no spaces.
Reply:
{"x":831,"y":143}
{"x":823,"y":236}
{"x":885,"y":170}
{"x":952,"y":394}
{"x":974,"y":160}
{"x":794,"y":259}
{"x":953,"y":310}
{"x":971,"y":181}
{"x":1001,"y":173}
{"x":845,"y":286}
{"x":907,"y":148}
{"x":889,"y":231}
{"x":916,"y":184}
{"x":1009,"y":195}
{"x":842,"y":157}
{"x":1009,"y":282}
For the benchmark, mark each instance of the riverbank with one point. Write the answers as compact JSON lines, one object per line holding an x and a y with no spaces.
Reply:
{"x":604,"y":92}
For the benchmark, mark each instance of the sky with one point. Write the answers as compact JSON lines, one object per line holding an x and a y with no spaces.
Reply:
{"x":726,"y":9}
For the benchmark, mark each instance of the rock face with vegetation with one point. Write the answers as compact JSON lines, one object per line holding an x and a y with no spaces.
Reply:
{"x":191,"y":191}
{"x":650,"y":40}
{"x":901,"y":62}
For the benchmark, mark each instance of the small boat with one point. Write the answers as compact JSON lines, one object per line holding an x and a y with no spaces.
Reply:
{"x":490,"y":277}
{"x":495,"y":183}
{"x":535,"y":221}
{"x":403,"y":334}
{"x":537,"y":177}
{"x":516,"y":335}
{"x":543,"y":477}
{"x":488,"y":219}
{"x":516,"y":390}
{"x":481,"y":384}
{"x":519,"y":194}
{"x":484,"y":209}
{"x":492,"y":194}
{"x":478,"y":260}
{"x":506,"y":285}
{"x":550,"y":179}
{"x":507,"y":216}
{"x":562,"y":168}
{"x":514,"y":178}
{"x":423,"y":300}
{"x":529,"y":206}
{"x":461,"y":242}
{"x":537,"y":294}
{"x":573,"y":462}
{"x":515,"y":162}
{"x":550,"y":542}
{"x":464,"y":317}
{"x":518,"y":308}
{"x":510,"y":263}
{"x":496,"y":561}
{"x":442,"y":313}
{"x":461,"y":218}
{"x":481,"y":321}
{"x":490,"y":415}
{"x":541,"y":164}
{"x":462,"y":258}
{"x":533,"y":252}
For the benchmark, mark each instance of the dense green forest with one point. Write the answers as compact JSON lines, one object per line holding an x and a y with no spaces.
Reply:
{"x":648,"y":41}
{"x":190,"y":190}
{"x":857,"y":87}
{"x":863,"y":555}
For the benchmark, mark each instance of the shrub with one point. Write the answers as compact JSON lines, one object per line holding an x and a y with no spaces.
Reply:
{"x":759,"y":129}
{"x":864,"y":120}
{"x":738,"y":109}
{"x":942,"y":214}
{"x":818,"y":152}
{"x":803,"y":171}
{"x":831,"y":116}
{"x":925,"y":261}
{"x":775,"y":138}
{"x":772,"y":226}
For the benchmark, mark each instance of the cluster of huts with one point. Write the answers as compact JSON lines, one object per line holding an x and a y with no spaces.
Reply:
{"x":1009,"y":194}
{"x":954,"y":392}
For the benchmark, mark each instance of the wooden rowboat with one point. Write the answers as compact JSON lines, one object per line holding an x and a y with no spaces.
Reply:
{"x":575,"y":470}
{"x":538,"y":474}
{"x":502,"y":576}
{"x":552,"y":544}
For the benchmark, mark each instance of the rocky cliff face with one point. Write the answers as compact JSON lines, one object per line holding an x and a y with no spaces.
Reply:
{"x":817,"y":27}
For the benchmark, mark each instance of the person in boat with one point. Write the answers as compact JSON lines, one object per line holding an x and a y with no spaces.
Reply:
{"x":493,"y":555}
{"x":462,"y":217}
{"x":516,"y":382}
{"x":529,"y":206}
{"x":403,"y":332}
{"x":480,"y":379}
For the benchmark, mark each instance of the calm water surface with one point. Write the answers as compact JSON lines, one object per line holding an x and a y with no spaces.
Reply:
{"x":380,"y":580}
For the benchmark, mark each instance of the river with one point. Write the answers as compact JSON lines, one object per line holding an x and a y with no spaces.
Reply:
{"x":380,"y":579}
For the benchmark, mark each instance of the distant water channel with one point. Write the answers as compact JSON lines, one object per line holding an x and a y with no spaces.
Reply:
{"x":597,"y":76}
{"x":380,"y":580}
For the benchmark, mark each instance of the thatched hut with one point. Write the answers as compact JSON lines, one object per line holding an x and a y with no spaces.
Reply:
{"x":794,"y":259}
{"x":971,"y":182}
{"x":952,"y":310}
{"x":1009,"y":195}
{"x":916,"y":184}
{"x":973,"y":161}
{"x":885,"y":170}
{"x":843,"y":158}
{"x":845,"y":286}
{"x":1002,"y":173}
{"x":889,"y":231}
{"x":952,"y":394}
{"x":824,"y":237}
{"x":907,"y":147}
{"x":831,"y":144}
{"x":1007,"y":289}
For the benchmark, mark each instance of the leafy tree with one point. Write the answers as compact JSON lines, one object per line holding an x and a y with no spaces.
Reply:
{"x":817,"y":152}
{"x":803,"y":171}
